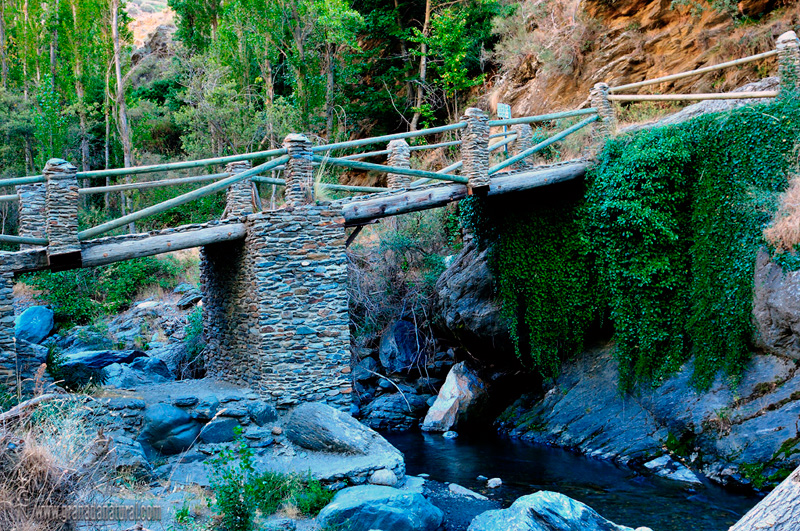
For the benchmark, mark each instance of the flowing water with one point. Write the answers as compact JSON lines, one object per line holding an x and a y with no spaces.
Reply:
{"x":621,"y":495}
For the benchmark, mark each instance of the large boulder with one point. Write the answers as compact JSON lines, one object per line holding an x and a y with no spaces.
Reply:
{"x":127,"y":455}
{"x":465,"y":299}
{"x":34,"y":324}
{"x":219,"y":430}
{"x":319,"y":427}
{"x":168,"y":429}
{"x":544,"y":511}
{"x":396,"y":411}
{"x":776,"y":307}
{"x":372,"y":507}
{"x":398,"y":349}
{"x":462,"y":393}
{"x":99,"y":359}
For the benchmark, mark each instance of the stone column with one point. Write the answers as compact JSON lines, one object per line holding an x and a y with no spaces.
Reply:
{"x":524,"y":141}
{"x":399,"y":157}
{"x":32,"y":212}
{"x":299,"y":171}
{"x":475,"y":150}
{"x":789,"y":61}
{"x":241,"y":196}
{"x":8,"y":350}
{"x":64,"y":250}
{"x":606,"y":127}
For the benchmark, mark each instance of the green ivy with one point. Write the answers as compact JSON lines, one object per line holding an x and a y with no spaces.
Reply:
{"x":664,"y":238}
{"x":543,"y":273}
{"x":675,"y":216}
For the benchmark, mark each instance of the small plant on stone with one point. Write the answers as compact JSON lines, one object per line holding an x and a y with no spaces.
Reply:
{"x":77,"y":378}
{"x":232,"y":481}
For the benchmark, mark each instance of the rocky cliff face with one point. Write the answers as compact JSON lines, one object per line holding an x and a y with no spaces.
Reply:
{"x":740,"y":433}
{"x":584,"y":42}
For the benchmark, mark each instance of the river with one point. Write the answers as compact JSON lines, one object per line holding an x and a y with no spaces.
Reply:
{"x":621,"y":495}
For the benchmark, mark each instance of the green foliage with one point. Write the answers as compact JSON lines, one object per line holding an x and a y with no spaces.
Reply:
{"x":80,"y":295}
{"x":241,"y":492}
{"x":542,"y":273}
{"x":50,"y":122}
{"x":194,"y":339}
{"x":7,"y":398}
{"x":675,"y":216}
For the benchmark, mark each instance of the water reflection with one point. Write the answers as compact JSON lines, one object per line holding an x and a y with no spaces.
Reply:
{"x":620,"y":495}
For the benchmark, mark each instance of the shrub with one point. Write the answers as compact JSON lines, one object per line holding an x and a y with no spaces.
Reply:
{"x":242,"y":493}
{"x":80,"y":295}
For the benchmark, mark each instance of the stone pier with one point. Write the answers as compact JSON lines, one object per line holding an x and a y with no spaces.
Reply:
{"x":275,"y":307}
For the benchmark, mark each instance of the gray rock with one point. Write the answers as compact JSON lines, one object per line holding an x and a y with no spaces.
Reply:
{"x":183,"y":288}
{"x":383,"y":477}
{"x":128,"y":456}
{"x":206,"y":409}
{"x":153,"y":367}
{"x":398,"y":348}
{"x":319,"y":427}
{"x":262,"y":413}
{"x":667,"y":467}
{"x":462,"y":393}
{"x":776,"y":302}
{"x":185,"y":401}
{"x":257,"y":433}
{"x":219,"y":430}
{"x":458,"y":490}
{"x":168,"y":429}
{"x":365,"y":370}
{"x":278,"y":523}
{"x":126,"y":377}
{"x":394,"y":412}
{"x":450,"y":434}
{"x":372,"y":507}
{"x":544,"y":511}
{"x":465,"y":299}
{"x":98,"y":359}
{"x":494,"y":483}
{"x":235,"y":412}
{"x":34,"y":324}
{"x":189,"y":300}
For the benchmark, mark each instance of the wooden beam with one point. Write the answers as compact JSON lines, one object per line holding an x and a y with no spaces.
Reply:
{"x":779,"y":511}
{"x":359,"y":212}
{"x":110,"y":250}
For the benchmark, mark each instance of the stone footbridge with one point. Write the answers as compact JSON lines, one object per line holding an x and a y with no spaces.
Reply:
{"x":274,"y":282}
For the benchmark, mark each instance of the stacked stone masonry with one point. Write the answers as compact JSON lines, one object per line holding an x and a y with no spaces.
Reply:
{"x":32,"y":211}
{"x":606,"y":126}
{"x":788,"y":46}
{"x":275,"y":307}
{"x":399,"y":157}
{"x":475,"y":149}
{"x":242,"y":197}
{"x":523,"y":141}
{"x":62,"y":207}
{"x":299,"y":172}
{"x":8,"y":349}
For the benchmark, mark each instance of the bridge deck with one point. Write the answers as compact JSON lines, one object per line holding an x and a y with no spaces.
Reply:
{"x":356,"y":211}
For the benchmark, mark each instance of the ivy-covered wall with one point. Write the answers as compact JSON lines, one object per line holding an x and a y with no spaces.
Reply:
{"x":661,"y":238}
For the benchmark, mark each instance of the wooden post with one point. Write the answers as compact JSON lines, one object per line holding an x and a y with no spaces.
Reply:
{"x":779,"y":511}
{"x":475,"y":151}
{"x":64,"y":250}
{"x":399,"y":157}
{"x":242,"y":197}
{"x":523,"y":141}
{"x":606,"y":127}
{"x":298,"y":174}
{"x":32,"y":212}
{"x":788,"y":46}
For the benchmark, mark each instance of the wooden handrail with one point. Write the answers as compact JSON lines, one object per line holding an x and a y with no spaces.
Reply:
{"x":698,"y":71}
{"x":695,"y":97}
{"x":366,"y":166}
{"x":543,"y":117}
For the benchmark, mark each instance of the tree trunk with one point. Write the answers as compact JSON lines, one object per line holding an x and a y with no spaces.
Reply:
{"x":329,"y":88}
{"x":25,"y":50}
{"x":54,"y":47}
{"x":423,"y":66}
{"x":80,"y":92}
{"x":404,"y":53}
{"x":122,"y":114}
{"x":269,"y":84}
{"x":779,"y":511}
{"x":3,"y":50}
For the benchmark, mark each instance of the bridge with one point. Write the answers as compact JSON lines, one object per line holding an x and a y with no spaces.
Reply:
{"x":274,"y":280}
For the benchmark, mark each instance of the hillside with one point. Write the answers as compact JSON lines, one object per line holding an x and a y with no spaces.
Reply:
{"x":552,"y":62}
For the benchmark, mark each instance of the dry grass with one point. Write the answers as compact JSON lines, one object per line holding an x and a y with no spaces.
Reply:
{"x":50,"y":458}
{"x":784,"y":232}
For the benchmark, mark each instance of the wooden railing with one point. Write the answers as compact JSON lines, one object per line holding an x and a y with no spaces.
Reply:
{"x":298,"y":157}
